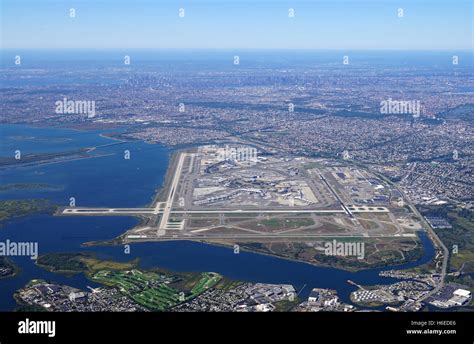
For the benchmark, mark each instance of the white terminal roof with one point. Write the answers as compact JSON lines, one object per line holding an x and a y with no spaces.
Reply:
{"x":462,"y":292}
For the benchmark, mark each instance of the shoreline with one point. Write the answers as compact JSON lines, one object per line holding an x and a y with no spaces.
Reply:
{"x":119,"y":241}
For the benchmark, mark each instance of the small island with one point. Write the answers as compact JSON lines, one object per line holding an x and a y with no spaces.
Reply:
{"x":7,"y":268}
{"x":28,"y":186}
{"x":10,"y":209}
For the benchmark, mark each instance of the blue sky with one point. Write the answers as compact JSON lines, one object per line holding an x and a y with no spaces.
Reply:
{"x":230,"y":24}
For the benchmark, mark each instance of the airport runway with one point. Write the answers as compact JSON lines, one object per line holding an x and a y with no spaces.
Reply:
{"x":152,"y":211}
{"x":174,"y":185}
{"x":299,"y":236}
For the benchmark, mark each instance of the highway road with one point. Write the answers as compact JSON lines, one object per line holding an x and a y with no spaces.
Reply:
{"x":433,"y":236}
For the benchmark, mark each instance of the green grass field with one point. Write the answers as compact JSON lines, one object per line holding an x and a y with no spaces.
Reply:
{"x":156,"y":290}
{"x":207,"y":280}
{"x":146,"y":288}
